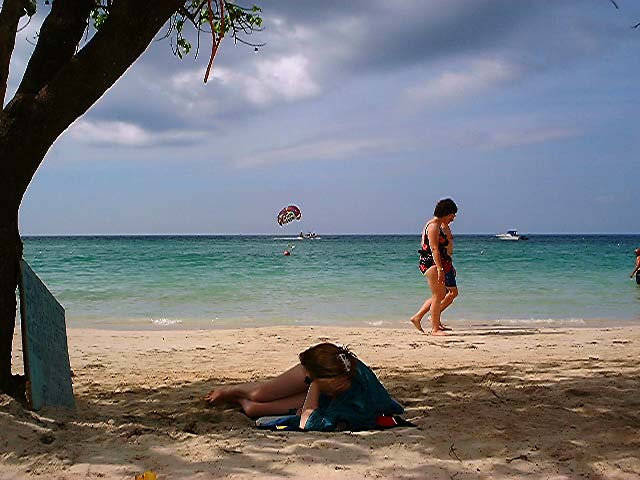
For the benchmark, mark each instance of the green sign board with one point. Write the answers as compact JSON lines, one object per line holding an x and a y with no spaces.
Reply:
{"x":44,"y":342}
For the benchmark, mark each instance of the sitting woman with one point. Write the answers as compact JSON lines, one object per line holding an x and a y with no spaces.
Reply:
{"x":330,"y":388}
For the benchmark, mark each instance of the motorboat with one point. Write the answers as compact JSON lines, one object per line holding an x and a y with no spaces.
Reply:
{"x":511,"y":235}
{"x":308,"y":236}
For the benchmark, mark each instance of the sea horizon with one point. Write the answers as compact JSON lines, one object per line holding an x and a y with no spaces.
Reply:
{"x":524,"y":232}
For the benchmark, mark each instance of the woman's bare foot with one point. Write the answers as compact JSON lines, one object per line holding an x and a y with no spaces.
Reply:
{"x":416,"y":323}
{"x":220,"y":395}
{"x":438,"y":330}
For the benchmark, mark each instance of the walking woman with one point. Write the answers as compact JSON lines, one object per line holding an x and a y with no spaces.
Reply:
{"x":437,"y":266}
{"x":636,"y":271}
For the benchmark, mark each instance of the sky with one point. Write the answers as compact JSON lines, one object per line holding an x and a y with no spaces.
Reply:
{"x":364,"y":114}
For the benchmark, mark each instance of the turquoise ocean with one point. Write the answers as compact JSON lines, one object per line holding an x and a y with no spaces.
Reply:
{"x":159,"y":282}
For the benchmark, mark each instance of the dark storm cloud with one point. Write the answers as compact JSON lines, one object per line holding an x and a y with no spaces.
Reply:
{"x":387,"y":35}
{"x":317,"y":45}
{"x":344,"y":41}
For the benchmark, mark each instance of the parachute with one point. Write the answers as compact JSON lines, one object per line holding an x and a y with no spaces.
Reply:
{"x":289,"y":214}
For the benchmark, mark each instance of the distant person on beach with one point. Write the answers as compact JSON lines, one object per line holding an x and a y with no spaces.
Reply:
{"x":636,"y":271}
{"x":436,"y":265}
{"x":328,"y":388}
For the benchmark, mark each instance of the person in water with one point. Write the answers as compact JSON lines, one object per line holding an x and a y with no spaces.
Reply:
{"x":330,"y":387}
{"x":636,"y":271}
{"x":436,"y":265}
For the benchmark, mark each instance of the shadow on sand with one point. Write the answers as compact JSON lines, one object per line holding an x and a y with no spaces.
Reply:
{"x":500,"y":419}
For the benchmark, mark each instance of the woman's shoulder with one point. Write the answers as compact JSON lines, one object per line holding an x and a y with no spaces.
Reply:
{"x":432,"y":225}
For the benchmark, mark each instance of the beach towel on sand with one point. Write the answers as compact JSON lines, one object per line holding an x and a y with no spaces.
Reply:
{"x":292,"y":422}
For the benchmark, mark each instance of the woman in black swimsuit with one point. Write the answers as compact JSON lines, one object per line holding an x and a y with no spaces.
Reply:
{"x":436,"y":264}
{"x":636,"y":271}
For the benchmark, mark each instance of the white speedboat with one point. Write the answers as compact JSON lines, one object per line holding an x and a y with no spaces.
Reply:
{"x":308,"y":236}
{"x":511,"y":235}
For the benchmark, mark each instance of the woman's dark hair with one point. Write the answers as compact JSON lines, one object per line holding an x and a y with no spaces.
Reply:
{"x":327,"y":360}
{"x":445,"y":207}
{"x":637,"y":251}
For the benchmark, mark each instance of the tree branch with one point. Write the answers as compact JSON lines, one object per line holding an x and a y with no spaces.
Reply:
{"x":216,"y":38}
{"x":12,"y":11}
{"x":57,"y":42}
{"x":78,"y":84}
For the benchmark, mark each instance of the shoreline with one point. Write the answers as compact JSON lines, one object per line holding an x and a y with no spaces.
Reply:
{"x":130,"y":325}
{"x":557,"y":403}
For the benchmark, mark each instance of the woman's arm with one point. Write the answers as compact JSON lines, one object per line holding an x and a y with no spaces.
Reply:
{"x":433,"y":232}
{"x":310,"y":404}
{"x":447,"y":232}
{"x":424,"y":234}
{"x":635,"y":270}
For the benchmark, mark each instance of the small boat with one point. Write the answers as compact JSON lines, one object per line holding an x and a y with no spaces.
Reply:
{"x":308,"y":236}
{"x":511,"y":235}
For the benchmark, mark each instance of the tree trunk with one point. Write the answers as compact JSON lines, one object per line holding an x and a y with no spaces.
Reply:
{"x":50,"y":99}
{"x":10,"y":254}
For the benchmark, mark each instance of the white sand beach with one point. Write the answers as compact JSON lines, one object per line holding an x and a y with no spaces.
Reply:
{"x":548,"y":403}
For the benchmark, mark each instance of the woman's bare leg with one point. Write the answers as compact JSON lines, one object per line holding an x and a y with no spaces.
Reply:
{"x":287,"y":384}
{"x":277,"y":407}
{"x":452,"y":293}
{"x":438,"y":293}
{"x":417,"y":318}
{"x":450,"y":296}
{"x":229,"y":393}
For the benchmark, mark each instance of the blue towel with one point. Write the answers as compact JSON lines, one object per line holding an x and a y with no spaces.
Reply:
{"x":357,"y":408}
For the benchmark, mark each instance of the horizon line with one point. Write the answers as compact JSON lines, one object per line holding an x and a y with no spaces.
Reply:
{"x":292,"y":235}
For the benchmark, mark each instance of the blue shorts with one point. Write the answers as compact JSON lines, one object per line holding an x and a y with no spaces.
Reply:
{"x":450,"y":278}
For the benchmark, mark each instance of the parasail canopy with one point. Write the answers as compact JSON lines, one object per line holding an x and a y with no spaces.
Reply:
{"x":289,"y":214}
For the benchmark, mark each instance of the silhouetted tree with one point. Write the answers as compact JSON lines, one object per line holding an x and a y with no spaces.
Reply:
{"x":63,"y":80}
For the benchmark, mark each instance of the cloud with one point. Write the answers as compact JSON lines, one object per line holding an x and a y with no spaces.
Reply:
{"x":474,"y":78}
{"x":606,"y":199}
{"x":317,"y":150}
{"x":282,"y":79}
{"x":314,"y":51}
{"x":366,"y":36}
{"x":187,"y":79}
{"x":514,"y":138}
{"x":128,"y":134}
{"x":242,"y":90}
